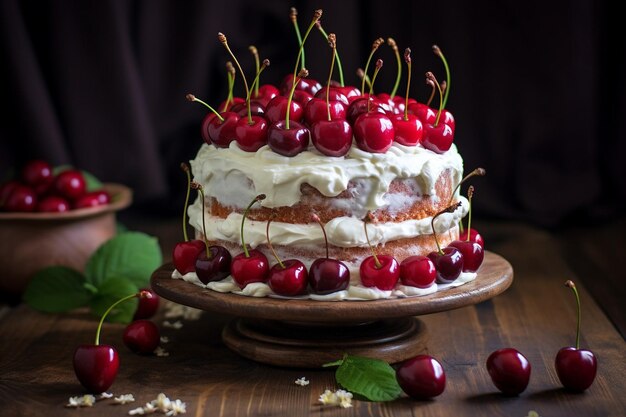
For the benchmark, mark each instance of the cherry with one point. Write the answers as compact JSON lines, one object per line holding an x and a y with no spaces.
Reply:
{"x":360,"y":105}
{"x":474,"y":236}
{"x":418,"y":271}
{"x":6,"y":189}
{"x":509,"y":371}
{"x":21,"y":198}
{"x":374,"y":132}
{"x":301,"y":97}
{"x":472,"y":252}
{"x":96,"y":365}
{"x":576,"y":367}
{"x":290,"y":277}
{"x":318,"y":109}
{"x":70,"y":184}
{"x":438,"y":136}
{"x":147,"y":306}
{"x":251,"y":265}
{"x":421,"y":377}
{"x":286,"y":140}
{"x":141,"y":336}
{"x":276,"y":110}
{"x":185,"y":253}
{"x":53,"y":204}
{"x":448,"y":261}
{"x":327,"y":275}
{"x":217,"y":128}
{"x":251,"y":133}
{"x":256,"y":108}
{"x":213,"y":263}
{"x":408,"y":128}
{"x":382,"y":271}
{"x":307,"y":85}
{"x":333,"y":93}
{"x":37,"y":174}
{"x":423,"y":112}
{"x":93,"y":199}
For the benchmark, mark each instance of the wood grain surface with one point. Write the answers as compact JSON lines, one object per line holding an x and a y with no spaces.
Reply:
{"x":536,"y":315}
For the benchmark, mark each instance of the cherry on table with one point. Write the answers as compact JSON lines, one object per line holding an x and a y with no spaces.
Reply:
{"x":509,"y":370}
{"x":141,"y":336}
{"x":421,"y":377}
{"x":147,"y":306}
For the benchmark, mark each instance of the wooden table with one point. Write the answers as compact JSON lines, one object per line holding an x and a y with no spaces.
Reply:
{"x":536,"y":315}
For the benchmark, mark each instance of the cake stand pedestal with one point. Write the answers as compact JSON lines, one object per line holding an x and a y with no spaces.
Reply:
{"x":307,"y":333}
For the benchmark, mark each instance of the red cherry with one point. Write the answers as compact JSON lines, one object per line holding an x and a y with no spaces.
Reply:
{"x":327,"y":275}
{"x":509,"y":370}
{"x":214,"y":267}
{"x":449,"y":264}
{"x":316,"y":110}
{"x":96,"y":366}
{"x":302,"y":97}
{"x":185,"y":254}
{"x":93,"y":199}
{"x":37,"y":174}
{"x":472,"y":252}
{"x":204,"y":127}
{"x":256,"y":109}
{"x":576,"y":367}
{"x":70,"y":184}
{"x":248,"y":269}
{"x":423,"y":112}
{"x":359,"y":106}
{"x":335,"y":94}
{"x":476,"y":237}
{"x":266,"y":93}
{"x":236,"y":100}
{"x":21,"y":199}
{"x":147,"y":306}
{"x":421,"y":377}
{"x":141,"y":336}
{"x":276,"y":110}
{"x":351,"y":92}
{"x":437,"y":138}
{"x":386,"y":103}
{"x":6,"y":189}
{"x":222,"y":132}
{"x":309,"y":85}
{"x":373,"y":132}
{"x":418,"y":271}
{"x":332,"y":138}
{"x":53,"y":204}
{"x":407,"y":132}
{"x":288,"y":279}
{"x":251,"y":136}
{"x":384,"y":277}
{"x":288,"y":142}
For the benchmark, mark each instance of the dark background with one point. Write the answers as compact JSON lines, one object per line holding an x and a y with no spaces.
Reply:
{"x":538,"y":89}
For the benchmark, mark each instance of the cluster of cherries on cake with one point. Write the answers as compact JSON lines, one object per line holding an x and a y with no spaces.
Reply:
{"x":287,"y":118}
{"x":38,"y":190}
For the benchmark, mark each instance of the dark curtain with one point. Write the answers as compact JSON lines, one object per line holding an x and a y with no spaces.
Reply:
{"x":537,"y":90}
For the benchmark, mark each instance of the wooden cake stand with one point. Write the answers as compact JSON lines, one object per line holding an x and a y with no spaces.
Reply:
{"x":307,"y":333}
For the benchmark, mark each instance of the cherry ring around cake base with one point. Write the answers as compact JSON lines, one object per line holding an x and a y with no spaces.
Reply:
{"x":308,"y":333}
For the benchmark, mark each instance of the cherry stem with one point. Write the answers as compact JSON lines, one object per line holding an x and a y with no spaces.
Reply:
{"x":316,"y":17}
{"x":222,"y":38}
{"x":243,"y":219}
{"x":317,"y":219}
{"x":438,"y":52}
{"x":197,"y":186}
{"x":431,"y":77}
{"x":407,"y":59}
{"x":332,"y":42}
{"x":379,"y":65}
{"x":269,"y":243}
{"x":449,"y":209}
{"x":339,"y":66}
{"x":432,"y":92}
{"x":255,"y":53}
{"x":185,"y":168}
{"x":294,"y":19}
{"x":140,"y":294}
{"x":363,"y":77}
{"x":571,"y":285}
{"x":375,"y":46}
{"x":392,"y":42}
{"x":368,"y":218}
{"x":302,"y":74}
{"x":478,"y":171}
{"x":470,"y":194}
{"x":231,"y":84}
{"x":192,"y":98}
{"x":255,"y":83}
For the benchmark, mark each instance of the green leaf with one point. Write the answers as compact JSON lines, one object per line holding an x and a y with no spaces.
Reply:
{"x":111,"y":291}
{"x":132,"y":255}
{"x":91,"y":181}
{"x":374,"y":379}
{"x":57,"y":289}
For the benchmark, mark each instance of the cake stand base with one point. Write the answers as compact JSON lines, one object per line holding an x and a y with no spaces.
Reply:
{"x":308,"y":345}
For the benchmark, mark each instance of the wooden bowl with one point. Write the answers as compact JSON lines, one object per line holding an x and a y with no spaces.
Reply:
{"x":32,"y":241}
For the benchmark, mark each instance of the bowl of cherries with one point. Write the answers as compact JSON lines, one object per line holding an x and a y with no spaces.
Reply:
{"x":53,"y":216}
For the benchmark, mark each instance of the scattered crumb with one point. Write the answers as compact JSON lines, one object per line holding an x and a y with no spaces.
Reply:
{"x":165,"y":339}
{"x":175,"y":325}
{"x":302,"y":382}
{"x":174,"y":311}
{"x":124,"y":399}
{"x":105,"y":396}
{"x":340,"y":398}
{"x":163,"y":405}
{"x":160,"y":352}
{"x":84,"y":401}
